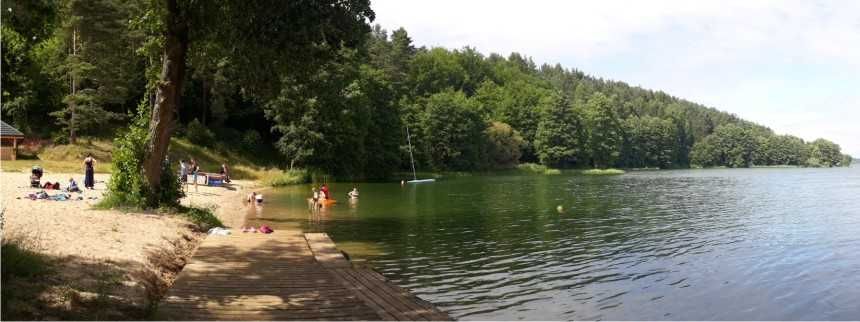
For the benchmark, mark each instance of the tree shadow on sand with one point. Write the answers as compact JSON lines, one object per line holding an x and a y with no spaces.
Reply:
{"x":79,"y":288}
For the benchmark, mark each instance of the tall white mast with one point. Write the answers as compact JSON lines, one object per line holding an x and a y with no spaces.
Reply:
{"x":411,"y":158}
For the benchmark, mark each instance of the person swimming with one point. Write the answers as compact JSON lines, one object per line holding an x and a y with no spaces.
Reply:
{"x":254,"y":196}
{"x":354,"y":193}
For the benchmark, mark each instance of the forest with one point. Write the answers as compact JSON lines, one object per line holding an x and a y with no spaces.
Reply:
{"x":342,"y":104}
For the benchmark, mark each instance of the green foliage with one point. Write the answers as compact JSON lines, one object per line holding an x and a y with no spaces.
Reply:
{"x":537,"y":169}
{"x":826,"y":152}
{"x":203,"y":218}
{"x":846,"y":160}
{"x":100,"y":76}
{"x":29,"y":93}
{"x":781,"y":150}
{"x":559,"y":137}
{"x":286,"y":178}
{"x":251,"y":138}
{"x":603,"y":131}
{"x":435,"y":71}
{"x":339,"y":94}
{"x":340,"y":122}
{"x":730,"y":145}
{"x":814,"y":162}
{"x":199,"y":134}
{"x":649,"y":142}
{"x":602,"y":172}
{"x":453,"y":131}
{"x":503,"y":145}
{"x":128,"y":187}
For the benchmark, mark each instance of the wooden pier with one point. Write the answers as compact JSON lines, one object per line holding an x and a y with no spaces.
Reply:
{"x":286,"y":275}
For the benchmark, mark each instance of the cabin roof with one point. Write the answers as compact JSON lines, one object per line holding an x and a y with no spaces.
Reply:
{"x":7,"y":130}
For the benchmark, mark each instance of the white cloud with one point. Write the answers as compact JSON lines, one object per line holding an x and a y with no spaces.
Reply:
{"x":774,"y":62}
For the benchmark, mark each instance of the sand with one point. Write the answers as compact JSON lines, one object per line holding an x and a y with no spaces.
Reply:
{"x":80,"y":236}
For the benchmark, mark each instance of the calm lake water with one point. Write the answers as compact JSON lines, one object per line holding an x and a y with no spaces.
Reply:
{"x":745,"y":244}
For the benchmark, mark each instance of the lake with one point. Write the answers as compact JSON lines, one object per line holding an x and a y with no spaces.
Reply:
{"x":722,"y":244}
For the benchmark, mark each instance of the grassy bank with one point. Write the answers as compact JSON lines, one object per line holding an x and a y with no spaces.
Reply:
{"x":68,"y":158}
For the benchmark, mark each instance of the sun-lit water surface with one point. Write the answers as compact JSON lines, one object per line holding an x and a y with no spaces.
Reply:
{"x":745,"y":244}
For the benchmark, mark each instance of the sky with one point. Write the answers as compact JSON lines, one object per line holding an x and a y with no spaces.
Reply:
{"x":793,"y":66}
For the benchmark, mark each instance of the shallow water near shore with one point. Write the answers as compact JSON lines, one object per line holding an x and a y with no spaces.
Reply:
{"x":729,"y":244}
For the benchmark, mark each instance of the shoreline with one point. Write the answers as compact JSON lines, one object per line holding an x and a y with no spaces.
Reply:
{"x":102,"y":264}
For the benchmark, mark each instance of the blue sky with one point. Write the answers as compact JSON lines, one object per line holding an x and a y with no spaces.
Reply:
{"x":793,"y":66}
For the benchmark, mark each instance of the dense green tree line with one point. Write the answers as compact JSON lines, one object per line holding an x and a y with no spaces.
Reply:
{"x":340,"y":97}
{"x":737,"y":146}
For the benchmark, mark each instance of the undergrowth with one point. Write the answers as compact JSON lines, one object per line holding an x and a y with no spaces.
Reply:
{"x":203,"y":218}
{"x":537,"y":169}
{"x":278,"y":178}
{"x":602,"y":172}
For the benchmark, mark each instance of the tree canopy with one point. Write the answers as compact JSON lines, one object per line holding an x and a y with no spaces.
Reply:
{"x":314,"y":81}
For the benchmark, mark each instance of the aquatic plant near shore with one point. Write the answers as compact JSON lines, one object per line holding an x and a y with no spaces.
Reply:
{"x":602,"y":172}
{"x":537,"y":169}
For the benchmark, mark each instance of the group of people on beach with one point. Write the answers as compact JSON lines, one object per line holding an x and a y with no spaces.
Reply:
{"x":89,"y":177}
{"x":192,"y":168}
{"x":37,"y":172}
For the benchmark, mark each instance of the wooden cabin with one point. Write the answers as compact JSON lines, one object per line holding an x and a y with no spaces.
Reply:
{"x":9,"y":137}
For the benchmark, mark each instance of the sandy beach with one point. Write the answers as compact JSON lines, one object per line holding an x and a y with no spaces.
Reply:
{"x":128,"y":247}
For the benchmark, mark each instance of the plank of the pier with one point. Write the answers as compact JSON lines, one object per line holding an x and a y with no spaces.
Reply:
{"x":396,"y":302}
{"x":248,"y":276}
{"x":325,"y":251}
{"x":284,"y":276}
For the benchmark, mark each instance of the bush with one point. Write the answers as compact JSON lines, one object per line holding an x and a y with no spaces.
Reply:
{"x":286,"y":178}
{"x":128,"y":186}
{"x":203,"y":218}
{"x":503,"y":145}
{"x":198,"y":134}
{"x":60,"y":138}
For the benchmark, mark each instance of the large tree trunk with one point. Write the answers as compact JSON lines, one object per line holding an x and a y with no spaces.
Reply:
{"x":72,"y":137}
{"x":167,"y":95}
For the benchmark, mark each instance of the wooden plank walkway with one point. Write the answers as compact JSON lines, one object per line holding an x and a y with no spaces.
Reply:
{"x":325,"y":252}
{"x":284,"y":276}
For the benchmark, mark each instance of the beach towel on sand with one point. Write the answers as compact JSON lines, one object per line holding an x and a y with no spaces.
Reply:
{"x":265,"y":229}
{"x":219,"y":231}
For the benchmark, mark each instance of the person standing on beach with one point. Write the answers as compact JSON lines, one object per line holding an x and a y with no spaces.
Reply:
{"x":194,"y":169}
{"x":225,"y":172}
{"x":183,"y":173}
{"x":89,"y":169}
